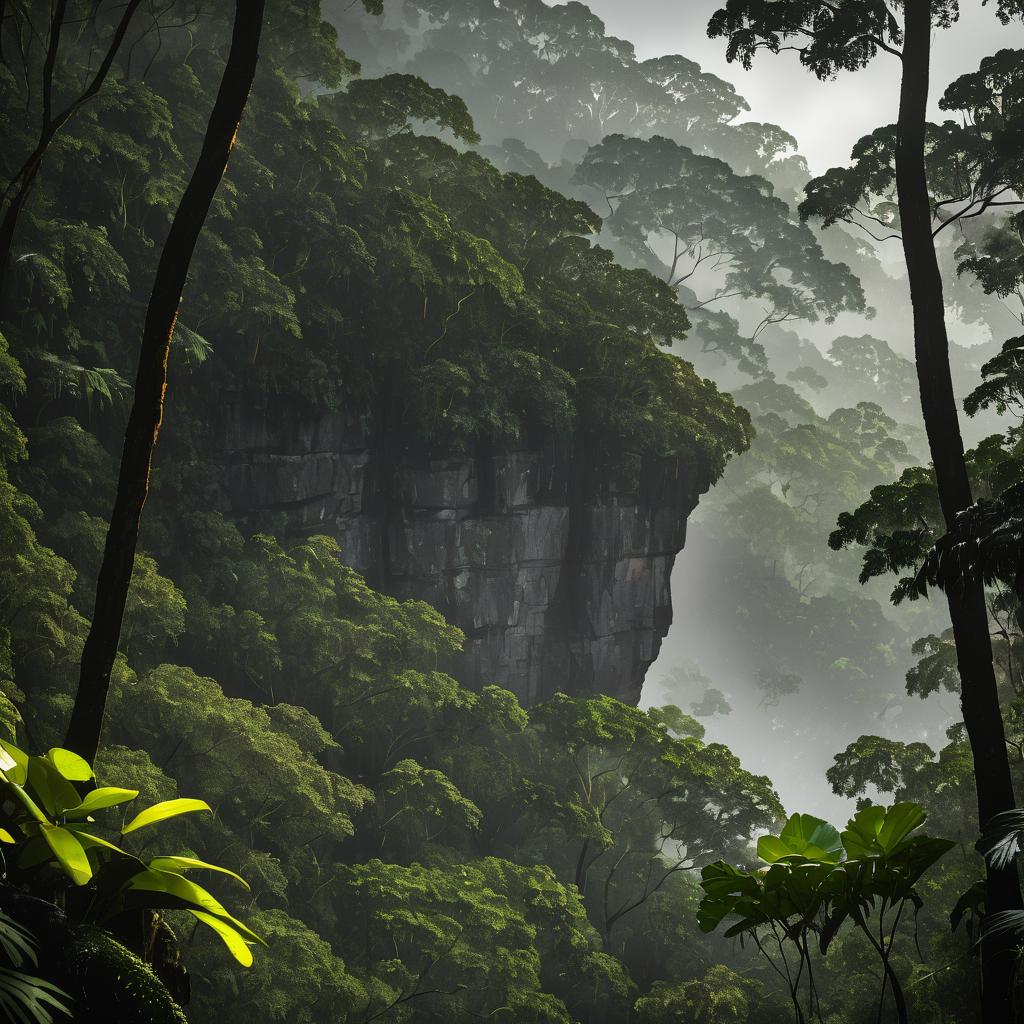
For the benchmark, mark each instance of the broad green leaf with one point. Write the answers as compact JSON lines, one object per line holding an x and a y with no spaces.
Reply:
{"x":722,"y":879}
{"x":772,"y":848}
{"x":188,"y":892}
{"x":712,"y":911}
{"x":804,"y":836}
{"x":188,"y":863}
{"x":105,"y":796}
{"x":806,"y":887}
{"x":50,"y":788}
{"x":70,"y":765}
{"x":19,"y":773}
{"x":88,"y":841}
{"x":728,"y":892}
{"x":916,"y":856}
{"x":878,"y":831}
{"x":28,"y":803}
{"x":900,"y":821}
{"x":68,"y":851}
{"x":860,"y":838}
{"x":164,"y":810}
{"x":807,"y":830}
{"x":237,"y":945}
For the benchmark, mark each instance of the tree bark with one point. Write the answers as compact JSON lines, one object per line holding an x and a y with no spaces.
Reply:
{"x":967,"y":608}
{"x":151,"y":381}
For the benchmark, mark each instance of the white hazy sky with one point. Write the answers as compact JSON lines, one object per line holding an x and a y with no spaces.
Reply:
{"x":827,"y":118}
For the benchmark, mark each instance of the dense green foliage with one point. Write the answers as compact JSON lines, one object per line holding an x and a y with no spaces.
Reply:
{"x":816,"y":881}
{"x":414,"y":850}
{"x":348,"y":261}
{"x":421,"y":254}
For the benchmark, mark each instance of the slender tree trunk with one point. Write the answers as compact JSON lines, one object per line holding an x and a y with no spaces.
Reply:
{"x":151,"y":380}
{"x":967,"y":609}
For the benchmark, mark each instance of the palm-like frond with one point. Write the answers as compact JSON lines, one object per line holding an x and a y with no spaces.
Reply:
{"x":194,"y":347}
{"x":63,"y":376}
{"x":16,"y":942}
{"x":985,"y":544}
{"x":25,"y":999}
{"x":28,"y":1000}
{"x":1001,"y":841}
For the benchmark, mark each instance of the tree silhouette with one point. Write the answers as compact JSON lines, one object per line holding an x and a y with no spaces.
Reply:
{"x":151,"y":382}
{"x":829,"y":38}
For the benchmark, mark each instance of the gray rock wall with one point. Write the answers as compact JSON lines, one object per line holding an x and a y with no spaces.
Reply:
{"x":557,"y":571}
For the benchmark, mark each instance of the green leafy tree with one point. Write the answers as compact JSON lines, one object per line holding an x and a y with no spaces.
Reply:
{"x":826,"y":45}
{"x":816,"y":880}
{"x":716,"y":234}
{"x":720,"y":997}
{"x":690,"y":796}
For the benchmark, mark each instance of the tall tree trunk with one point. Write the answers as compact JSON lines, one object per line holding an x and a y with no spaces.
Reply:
{"x":967,"y":609}
{"x":151,"y":380}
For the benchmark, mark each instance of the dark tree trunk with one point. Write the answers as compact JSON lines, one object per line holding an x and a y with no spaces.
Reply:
{"x":151,"y":381}
{"x":967,"y":609}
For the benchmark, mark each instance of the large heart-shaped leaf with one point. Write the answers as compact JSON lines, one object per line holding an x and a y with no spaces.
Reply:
{"x":878,"y":831}
{"x":860,"y":837}
{"x":721,"y":879}
{"x":900,"y":820}
{"x":69,"y":764}
{"x":804,"y":837}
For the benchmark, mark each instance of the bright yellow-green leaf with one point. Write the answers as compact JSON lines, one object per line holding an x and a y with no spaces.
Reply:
{"x":70,"y":765}
{"x":68,"y":851}
{"x":19,"y":773}
{"x":88,"y":840}
{"x":900,"y":820}
{"x":188,"y":863}
{"x":164,"y":810}
{"x":6,"y":837}
{"x":28,"y":803}
{"x":237,"y":946}
{"x":184,"y":889}
{"x":105,"y":796}
{"x":50,"y":788}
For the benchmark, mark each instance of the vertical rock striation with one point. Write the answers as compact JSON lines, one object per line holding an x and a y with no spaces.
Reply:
{"x":557,"y":570}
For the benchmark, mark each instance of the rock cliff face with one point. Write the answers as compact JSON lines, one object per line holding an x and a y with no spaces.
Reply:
{"x":557,"y":571}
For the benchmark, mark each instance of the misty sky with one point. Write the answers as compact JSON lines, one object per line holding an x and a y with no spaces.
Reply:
{"x":826,"y":117}
{"x":793,"y":744}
